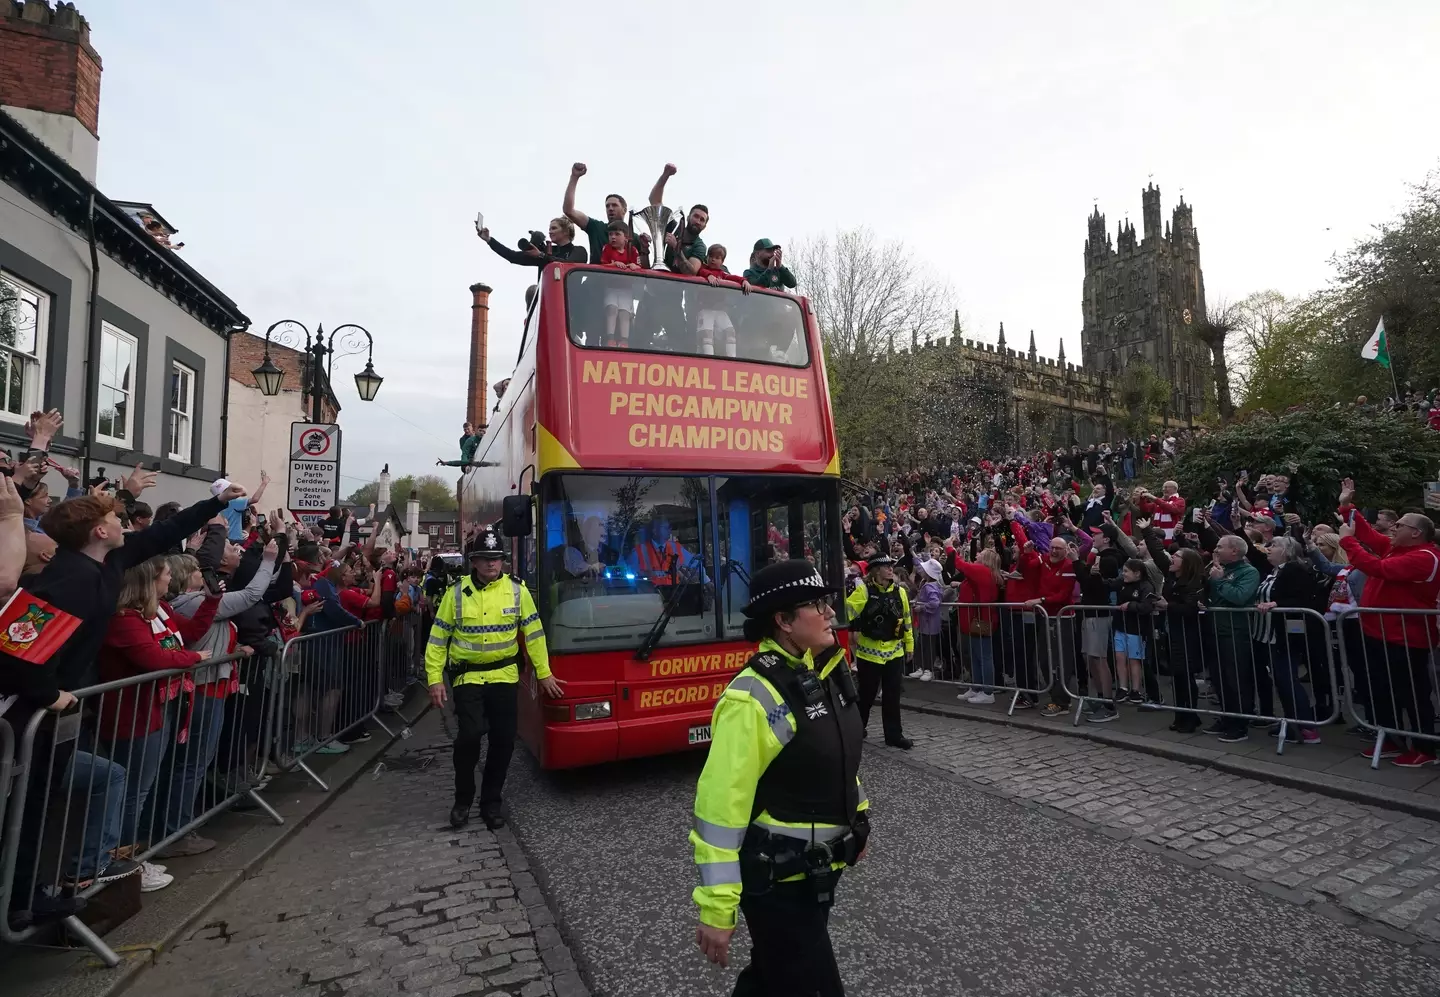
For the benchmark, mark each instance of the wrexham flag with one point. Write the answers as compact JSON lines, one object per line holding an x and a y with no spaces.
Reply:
{"x":1377,"y":349}
{"x":31,"y":629}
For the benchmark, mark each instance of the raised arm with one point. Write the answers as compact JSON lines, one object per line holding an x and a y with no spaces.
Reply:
{"x":141,"y":545}
{"x":12,"y":536}
{"x":568,"y":209}
{"x":657,"y":193}
{"x":514,"y":256}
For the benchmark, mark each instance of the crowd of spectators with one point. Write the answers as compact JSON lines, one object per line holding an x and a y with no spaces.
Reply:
{"x":1235,"y":596}
{"x":99,"y":587}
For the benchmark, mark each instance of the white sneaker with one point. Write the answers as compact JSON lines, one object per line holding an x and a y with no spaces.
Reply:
{"x":153,"y":877}
{"x":982,"y":699}
{"x":968,"y":695}
{"x":926,"y":675}
{"x":913,"y":675}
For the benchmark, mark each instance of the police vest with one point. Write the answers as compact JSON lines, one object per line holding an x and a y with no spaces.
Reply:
{"x":813,"y":779}
{"x":883,"y":615}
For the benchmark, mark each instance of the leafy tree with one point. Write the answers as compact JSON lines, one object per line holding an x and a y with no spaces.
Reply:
{"x":1145,"y":394}
{"x":1396,"y":273}
{"x":875,"y":304}
{"x":435,"y":493}
{"x":1389,"y":456}
{"x":1306,"y":350}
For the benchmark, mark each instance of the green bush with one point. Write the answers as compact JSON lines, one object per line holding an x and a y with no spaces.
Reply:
{"x":1389,"y":456}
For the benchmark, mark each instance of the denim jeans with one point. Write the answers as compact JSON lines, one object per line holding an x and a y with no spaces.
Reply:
{"x":1127,"y":468}
{"x":1287,"y":683}
{"x":141,"y":757}
{"x":101,"y":784}
{"x":188,"y":762}
{"x":982,"y":662}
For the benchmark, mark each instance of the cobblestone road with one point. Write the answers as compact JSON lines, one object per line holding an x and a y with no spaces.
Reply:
{"x":378,"y":896}
{"x":1378,"y":864}
{"x":1010,"y":863}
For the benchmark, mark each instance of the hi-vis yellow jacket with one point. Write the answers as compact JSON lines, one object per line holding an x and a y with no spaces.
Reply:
{"x":750,"y":725}
{"x":881,"y":651}
{"x":475,"y":625}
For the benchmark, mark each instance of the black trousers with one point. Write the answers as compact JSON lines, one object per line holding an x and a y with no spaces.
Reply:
{"x":484,"y":708}
{"x":888,"y":677}
{"x":1234,"y":662}
{"x":790,"y":953}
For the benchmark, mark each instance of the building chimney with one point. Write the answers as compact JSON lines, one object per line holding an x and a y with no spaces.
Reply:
{"x":50,"y":78}
{"x":476,"y":410}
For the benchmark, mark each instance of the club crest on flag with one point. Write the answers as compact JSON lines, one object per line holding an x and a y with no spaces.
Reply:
{"x":31,"y":629}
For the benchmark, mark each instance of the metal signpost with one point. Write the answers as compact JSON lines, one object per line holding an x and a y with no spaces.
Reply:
{"x":314,"y":469}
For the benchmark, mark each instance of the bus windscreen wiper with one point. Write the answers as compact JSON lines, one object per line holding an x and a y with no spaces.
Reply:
{"x":667,"y":612}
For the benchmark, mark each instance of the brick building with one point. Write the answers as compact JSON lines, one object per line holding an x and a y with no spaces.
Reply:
{"x":261,"y":436}
{"x":99,"y":317}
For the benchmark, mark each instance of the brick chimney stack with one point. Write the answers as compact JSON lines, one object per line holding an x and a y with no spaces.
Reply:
{"x":476,"y":411}
{"x":50,"y":78}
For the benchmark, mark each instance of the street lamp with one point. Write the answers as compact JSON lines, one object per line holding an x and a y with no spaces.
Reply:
{"x":367,"y":382}
{"x":267,"y":375}
{"x":317,"y":367}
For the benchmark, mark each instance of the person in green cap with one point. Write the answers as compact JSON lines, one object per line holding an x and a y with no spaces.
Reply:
{"x":765,"y":269}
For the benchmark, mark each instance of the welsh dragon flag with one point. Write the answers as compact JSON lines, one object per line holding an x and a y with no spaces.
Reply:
{"x":1377,"y":348}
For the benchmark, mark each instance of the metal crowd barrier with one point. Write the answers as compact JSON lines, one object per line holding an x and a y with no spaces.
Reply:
{"x":1273,"y":667}
{"x":991,"y":648}
{"x":143,"y":761}
{"x":136,"y":764}
{"x":328,"y":683}
{"x":1389,"y":661}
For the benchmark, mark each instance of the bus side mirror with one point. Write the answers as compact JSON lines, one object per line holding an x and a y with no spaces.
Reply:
{"x":515,"y":516}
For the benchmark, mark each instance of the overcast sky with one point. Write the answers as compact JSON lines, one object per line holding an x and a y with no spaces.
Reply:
{"x":324,"y":161}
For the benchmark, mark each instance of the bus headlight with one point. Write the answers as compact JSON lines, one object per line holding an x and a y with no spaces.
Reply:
{"x":592,"y":711}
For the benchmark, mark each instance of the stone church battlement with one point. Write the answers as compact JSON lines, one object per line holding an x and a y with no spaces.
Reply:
{"x":1143,"y":300}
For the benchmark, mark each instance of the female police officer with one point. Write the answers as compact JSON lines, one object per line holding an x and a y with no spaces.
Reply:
{"x":779,"y":811}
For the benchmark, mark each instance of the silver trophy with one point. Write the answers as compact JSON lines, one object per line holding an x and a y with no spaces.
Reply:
{"x":656,"y":217}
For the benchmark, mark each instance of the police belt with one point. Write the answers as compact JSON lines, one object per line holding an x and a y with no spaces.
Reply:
{"x":455,"y":669}
{"x":767,"y":858}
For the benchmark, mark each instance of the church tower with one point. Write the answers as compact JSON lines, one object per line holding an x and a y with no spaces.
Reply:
{"x":1143,"y":300}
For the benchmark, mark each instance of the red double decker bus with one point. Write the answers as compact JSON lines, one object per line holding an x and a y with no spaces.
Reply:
{"x":642,"y":487}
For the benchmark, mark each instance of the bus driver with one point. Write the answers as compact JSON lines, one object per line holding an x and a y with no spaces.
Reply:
{"x":661,"y":560}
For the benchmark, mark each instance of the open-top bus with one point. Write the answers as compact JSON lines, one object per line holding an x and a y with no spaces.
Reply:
{"x":645,"y":485}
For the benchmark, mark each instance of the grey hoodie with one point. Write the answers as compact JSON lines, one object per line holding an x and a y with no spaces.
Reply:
{"x":217,"y":638}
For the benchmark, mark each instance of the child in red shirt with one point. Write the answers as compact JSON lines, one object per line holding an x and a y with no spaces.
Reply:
{"x":713,"y":316}
{"x":619,"y":295}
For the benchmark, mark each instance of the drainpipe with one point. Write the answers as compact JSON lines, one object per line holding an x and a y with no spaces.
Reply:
{"x":92,"y":349}
{"x":225,"y":399}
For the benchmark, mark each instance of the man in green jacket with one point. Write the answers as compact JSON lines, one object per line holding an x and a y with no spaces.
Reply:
{"x":765,"y":268}
{"x":1233,"y":584}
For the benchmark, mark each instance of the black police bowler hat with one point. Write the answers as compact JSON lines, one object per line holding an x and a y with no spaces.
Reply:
{"x":488,"y":545}
{"x":783,"y":585}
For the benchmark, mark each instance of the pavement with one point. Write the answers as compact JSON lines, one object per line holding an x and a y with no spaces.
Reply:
{"x":244,"y":840}
{"x":1012,"y":862}
{"x":378,"y":896}
{"x":1334,"y":767}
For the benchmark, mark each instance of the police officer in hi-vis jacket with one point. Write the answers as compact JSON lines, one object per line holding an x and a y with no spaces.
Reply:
{"x":475,"y":644}
{"x":779,"y":810}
